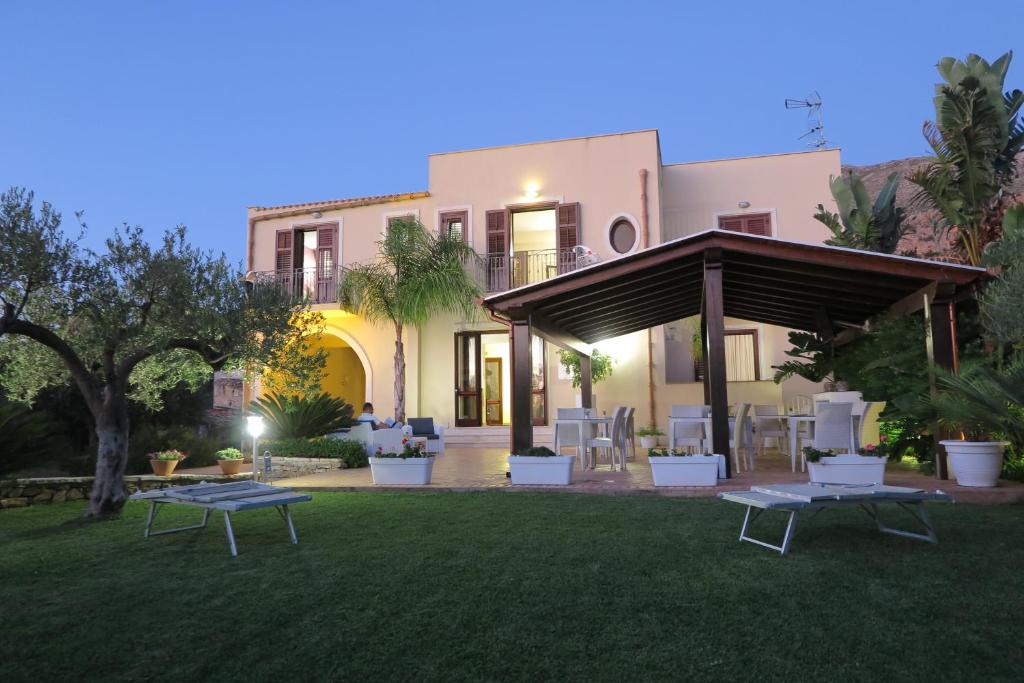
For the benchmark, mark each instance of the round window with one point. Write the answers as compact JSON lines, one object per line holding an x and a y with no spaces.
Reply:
{"x":622,"y":236}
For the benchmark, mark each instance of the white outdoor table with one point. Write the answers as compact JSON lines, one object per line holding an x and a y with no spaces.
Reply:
{"x":590,"y":423}
{"x":793,"y":498}
{"x":231,"y":497}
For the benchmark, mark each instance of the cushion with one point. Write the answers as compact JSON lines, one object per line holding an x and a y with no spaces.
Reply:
{"x":422,"y":426}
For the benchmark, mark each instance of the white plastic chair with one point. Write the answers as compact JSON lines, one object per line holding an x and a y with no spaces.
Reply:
{"x":629,"y":434}
{"x":740,"y":441}
{"x":689,"y":434}
{"x":570,"y":434}
{"x":833,"y":429}
{"x":769,"y":424}
{"x":612,"y":442}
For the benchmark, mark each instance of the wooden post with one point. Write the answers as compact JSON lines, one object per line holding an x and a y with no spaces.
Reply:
{"x":940,"y":338}
{"x":522,"y":371}
{"x":704,"y":350}
{"x":586,"y":388}
{"x":714,"y":355}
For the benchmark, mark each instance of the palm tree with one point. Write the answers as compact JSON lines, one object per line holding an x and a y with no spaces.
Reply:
{"x":416,"y":276}
{"x":859,"y":223}
{"x":975,"y":137}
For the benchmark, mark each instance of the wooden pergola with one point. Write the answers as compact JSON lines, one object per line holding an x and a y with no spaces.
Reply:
{"x":831,"y":291}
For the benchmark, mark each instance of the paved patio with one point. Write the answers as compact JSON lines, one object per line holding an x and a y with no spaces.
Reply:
{"x":483,"y":469}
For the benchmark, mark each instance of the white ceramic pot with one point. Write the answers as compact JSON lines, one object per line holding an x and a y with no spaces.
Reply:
{"x":541,"y":471}
{"x":401,"y":472}
{"x":685,"y":470}
{"x":847,"y":469}
{"x":648,"y":442}
{"x":975,"y":463}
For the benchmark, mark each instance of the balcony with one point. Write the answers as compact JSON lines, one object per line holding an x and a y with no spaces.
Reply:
{"x":499,"y":272}
{"x":319,"y":286}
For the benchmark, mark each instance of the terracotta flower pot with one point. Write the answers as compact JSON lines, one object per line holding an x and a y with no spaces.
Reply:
{"x":163,"y":468}
{"x":230,"y":466}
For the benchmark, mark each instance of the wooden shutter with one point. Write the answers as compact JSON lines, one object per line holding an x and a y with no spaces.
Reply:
{"x":568,"y":235}
{"x":752,"y":224}
{"x":449,"y":217}
{"x":283,"y":255}
{"x":326,"y":263}
{"x":497,"y":233}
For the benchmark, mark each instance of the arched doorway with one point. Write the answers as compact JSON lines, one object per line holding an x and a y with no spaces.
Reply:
{"x":347,"y":374}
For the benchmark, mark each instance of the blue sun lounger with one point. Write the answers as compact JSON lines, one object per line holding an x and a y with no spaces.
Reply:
{"x":231,"y":497}
{"x":792,"y":498}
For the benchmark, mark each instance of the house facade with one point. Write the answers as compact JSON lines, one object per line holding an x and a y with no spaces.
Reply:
{"x":533,"y":211}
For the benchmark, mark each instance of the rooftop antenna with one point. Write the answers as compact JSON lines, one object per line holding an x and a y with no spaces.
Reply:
{"x":813,"y":106}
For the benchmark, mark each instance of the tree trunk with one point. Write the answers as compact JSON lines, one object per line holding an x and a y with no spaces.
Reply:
{"x":399,"y":375}
{"x":108,"y":494}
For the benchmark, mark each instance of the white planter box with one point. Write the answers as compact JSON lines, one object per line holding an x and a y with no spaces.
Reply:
{"x":975,"y":463}
{"x":399,"y":472}
{"x":847,"y":469}
{"x":540,"y":471}
{"x":685,"y":470}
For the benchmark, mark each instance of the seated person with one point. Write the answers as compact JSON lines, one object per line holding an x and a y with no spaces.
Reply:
{"x":369,"y":418}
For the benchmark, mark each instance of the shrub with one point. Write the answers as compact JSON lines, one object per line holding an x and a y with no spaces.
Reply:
{"x":25,"y":437}
{"x":814,"y":455}
{"x":649,"y":431}
{"x":229,"y":454}
{"x":352,"y":453}
{"x":292,"y":417}
{"x":539,"y":452}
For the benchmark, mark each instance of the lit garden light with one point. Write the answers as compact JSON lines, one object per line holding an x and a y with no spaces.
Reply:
{"x":254,"y":425}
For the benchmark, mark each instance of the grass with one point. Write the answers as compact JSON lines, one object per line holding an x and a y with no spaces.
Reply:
{"x":488,"y":586}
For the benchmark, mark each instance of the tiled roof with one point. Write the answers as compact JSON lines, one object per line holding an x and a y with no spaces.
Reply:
{"x":331,"y":204}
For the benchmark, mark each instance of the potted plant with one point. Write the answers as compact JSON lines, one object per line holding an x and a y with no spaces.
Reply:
{"x":865,"y":467}
{"x":164,"y":462}
{"x":230,"y":460}
{"x":985,"y":405}
{"x":677,"y":468}
{"x":411,"y":466}
{"x":649,"y":436}
{"x":541,"y":466}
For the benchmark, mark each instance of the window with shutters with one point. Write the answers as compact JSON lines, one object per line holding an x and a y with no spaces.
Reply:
{"x":742,"y":362}
{"x":390,"y":220}
{"x":750,"y":223}
{"x":454,"y":224}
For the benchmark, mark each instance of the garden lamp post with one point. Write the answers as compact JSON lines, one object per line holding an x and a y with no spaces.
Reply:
{"x":254,"y":425}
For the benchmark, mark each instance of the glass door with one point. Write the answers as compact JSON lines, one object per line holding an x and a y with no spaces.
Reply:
{"x":467,"y":379}
{"x":493,"y":394}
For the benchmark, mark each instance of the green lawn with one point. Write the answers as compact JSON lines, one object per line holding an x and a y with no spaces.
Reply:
{"x":489,"y":586}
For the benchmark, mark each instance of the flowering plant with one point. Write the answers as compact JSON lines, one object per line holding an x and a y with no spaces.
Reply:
{"x":170,"y":454}
{"x":410,"y":449}
{"x":883,"y":449}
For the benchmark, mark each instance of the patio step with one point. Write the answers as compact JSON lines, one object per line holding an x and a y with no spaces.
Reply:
{"x":491,"y":437}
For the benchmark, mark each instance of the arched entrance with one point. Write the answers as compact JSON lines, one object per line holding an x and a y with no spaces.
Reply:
{"x":348,"y":374}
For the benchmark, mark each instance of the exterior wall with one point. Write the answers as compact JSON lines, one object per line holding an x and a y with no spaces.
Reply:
{"x":787,"y":185}
{"x":602,"y":173}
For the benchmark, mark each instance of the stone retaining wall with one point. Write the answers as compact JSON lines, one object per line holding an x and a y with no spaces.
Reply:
{"x":283,"y":467}
{"x":23,"y":492}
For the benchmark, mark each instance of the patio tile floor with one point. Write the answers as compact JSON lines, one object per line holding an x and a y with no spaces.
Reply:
{"x":483,"y":469}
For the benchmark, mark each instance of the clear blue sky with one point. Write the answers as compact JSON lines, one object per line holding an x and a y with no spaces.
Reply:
{"x":159,"y":113}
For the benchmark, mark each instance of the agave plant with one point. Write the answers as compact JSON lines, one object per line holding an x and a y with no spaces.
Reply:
{"x":303,"y":416}
{"x":975,"y":138}
{"x":982,"y":402}
{"x":861,"y":224}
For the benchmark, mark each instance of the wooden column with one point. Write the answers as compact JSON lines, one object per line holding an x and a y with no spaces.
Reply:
{"x":714,"y":355}
{"x":704,"y":350}
{"x":940,"y":337}
{"x":522,"y":371}
{"x":586,"y":388}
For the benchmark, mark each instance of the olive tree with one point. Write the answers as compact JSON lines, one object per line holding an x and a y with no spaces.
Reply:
{"x":131,"y":321}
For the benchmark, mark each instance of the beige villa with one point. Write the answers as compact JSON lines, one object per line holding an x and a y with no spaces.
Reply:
{"x":531,"y":211}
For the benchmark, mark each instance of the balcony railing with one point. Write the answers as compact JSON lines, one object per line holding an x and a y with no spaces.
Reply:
{"x":319,"y":285}
{"x":502,"y":271}
{"x":494,"y":273}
